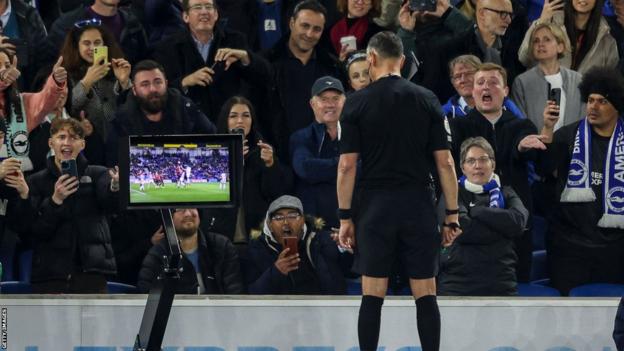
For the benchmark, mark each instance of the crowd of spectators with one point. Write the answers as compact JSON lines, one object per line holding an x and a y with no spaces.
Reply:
{"x":517,"y":84}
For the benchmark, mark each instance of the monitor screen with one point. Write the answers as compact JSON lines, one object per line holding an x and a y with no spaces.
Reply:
{"x":181,"y":171}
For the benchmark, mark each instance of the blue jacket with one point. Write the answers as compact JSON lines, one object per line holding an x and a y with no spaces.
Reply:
{"x":452,"y":108}
{"x":322,"y":268}
{"x":316,"y":168}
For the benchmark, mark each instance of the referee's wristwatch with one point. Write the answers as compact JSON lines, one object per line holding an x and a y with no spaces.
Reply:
{"x":344,"y":213}
{"x":451,"y":212}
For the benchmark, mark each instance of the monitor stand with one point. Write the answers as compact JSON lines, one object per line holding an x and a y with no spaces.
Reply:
{"x":161,"y":293}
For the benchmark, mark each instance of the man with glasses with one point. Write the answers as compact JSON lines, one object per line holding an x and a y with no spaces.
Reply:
{"x":310,"y":265}
{"x":209,"y":260}
{"x":314,"y":151}
{"x":512,"y":137}
{"x":72,"y":246}
{"x":208,"y":62}
{"x":463,"y":69}
{"x":488,"y":39}
{"x":124,"y":25}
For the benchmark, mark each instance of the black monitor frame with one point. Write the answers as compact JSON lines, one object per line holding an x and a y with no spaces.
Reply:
{"x":234,"y":143}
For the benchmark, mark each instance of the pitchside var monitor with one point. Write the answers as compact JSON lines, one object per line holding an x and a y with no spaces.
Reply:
{"x":177,"y":171}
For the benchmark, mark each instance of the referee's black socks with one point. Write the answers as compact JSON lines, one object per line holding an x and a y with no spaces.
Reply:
{"x":428,"y":321}
{"x":369,"y":322}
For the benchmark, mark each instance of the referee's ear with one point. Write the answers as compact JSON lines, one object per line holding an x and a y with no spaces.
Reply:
{"x":402,"y":61}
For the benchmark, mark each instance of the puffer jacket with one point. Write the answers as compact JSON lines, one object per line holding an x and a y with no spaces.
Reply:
{"x":74,"y":235}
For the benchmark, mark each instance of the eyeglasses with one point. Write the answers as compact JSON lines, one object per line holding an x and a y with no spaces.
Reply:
{"x":502,"y":14}
{"x":464,"y":75}
{"x":199,"y":7}
{"x":88,"y":22}
{"x":290,"y":217}
{"x":473,"y":161}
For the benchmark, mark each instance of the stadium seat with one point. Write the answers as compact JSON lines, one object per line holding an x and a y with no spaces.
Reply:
{"x":25,"y":265}
{"x":525,"y":289}
{"x":539,"y":267}
{"x":6,"y":258}
{"x":588,"y":290}
{"x":120,"y":288}
{"x":14,"y":287}
{"x":539,"y":228}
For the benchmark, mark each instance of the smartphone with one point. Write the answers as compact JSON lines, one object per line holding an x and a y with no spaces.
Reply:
{"x":423,"y":5}
{"x":291,"y":242}
{"x":69,"y":167}
{"x":350,"y":42}
{"x":100,"y":54}
{"x":218,"y":68}
{"x":555,"y":95}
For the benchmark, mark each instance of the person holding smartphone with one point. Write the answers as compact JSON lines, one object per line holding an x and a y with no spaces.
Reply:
{"x":353,"y":31}
{"x":292,"y":256}
{"x":97,"y":81}
{"x":72,"y":250}
{"x":534,"y":91}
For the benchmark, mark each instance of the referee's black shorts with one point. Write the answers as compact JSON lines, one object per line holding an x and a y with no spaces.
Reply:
{"x":396,"y":224}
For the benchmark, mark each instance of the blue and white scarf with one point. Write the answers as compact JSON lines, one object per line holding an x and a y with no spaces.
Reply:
{"x":578,"y":186}
{"x":492,"y":187}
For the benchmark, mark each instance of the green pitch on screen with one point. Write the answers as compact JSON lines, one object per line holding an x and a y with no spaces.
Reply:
{"x":195,"y":192}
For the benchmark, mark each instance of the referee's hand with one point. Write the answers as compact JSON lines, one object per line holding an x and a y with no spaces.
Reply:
{"x":346,"y":236}
{"x":286,"y":264}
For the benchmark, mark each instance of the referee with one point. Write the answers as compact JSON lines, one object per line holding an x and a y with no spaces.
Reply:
{"x":396,"y":128}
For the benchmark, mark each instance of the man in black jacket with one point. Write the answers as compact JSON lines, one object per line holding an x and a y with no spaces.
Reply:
{"x":22,"y":33}
{"x":210,"y":262}
{"x":297,"y":61}
{"x":154,"y":109}
{"x":511,"y":137}
{"x":126,"y":28}
{"x":70,"y":233}
{"x":210,"y":64}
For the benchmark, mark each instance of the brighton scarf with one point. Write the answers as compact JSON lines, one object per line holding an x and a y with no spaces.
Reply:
{"x":578,"y":185}
{"x":492,"y":187}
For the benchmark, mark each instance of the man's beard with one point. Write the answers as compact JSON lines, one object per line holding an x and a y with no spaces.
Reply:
{"x":186,"y":232}
{"x":152,"y":103}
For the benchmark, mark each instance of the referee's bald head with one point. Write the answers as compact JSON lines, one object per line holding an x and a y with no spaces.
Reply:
{"x":386,"y":45}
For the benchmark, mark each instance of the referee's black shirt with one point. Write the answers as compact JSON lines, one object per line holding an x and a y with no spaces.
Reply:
{"x":395,"y":126}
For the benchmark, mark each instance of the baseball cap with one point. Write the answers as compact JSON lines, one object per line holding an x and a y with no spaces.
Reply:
{"x":326,"y":83}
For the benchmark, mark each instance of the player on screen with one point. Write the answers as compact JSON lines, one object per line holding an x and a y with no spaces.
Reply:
{"x":141,"y":180}
{"x":179,"y":172}
{"x":223,"y":181}
{"x":187,"y":174}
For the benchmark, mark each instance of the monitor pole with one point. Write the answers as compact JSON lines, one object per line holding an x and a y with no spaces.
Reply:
{"x":161,"y":293}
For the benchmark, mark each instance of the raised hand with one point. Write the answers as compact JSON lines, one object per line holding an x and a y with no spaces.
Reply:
{"x":9,"y":75}
{"x":232,"y":55}
{"x":58,"y":72}
{"x":64,"y":187}
{"x":287,"y":263}
{"x":266,"y":153}
{"x":121,"y":69}
{"x":95,"y":72}
{"x":201,"y":77}
{"x":549,"y":9}
{"x":9,"y":166}
{"x":17,"y":181}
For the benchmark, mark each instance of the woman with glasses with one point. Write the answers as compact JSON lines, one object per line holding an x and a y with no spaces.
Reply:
{"x":532,"y":90}
{"x":357,"y":23}
{"x":481,"y":261}
{"x":264,"y":177}
{"x":586,"y":30}
{"x":96,"y":84}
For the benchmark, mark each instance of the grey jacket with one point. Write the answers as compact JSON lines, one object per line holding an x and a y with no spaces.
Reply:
{"x":530,"y":91}
{"x":603,"y":52}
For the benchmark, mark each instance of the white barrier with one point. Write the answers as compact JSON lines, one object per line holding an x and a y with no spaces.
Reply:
{"x":315,"y":324}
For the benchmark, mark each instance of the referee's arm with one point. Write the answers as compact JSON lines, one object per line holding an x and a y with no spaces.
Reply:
{"x":347,"y":169}
{"x":448,"y":181}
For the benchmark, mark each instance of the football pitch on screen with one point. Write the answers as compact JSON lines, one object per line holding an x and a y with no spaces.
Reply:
{"x":194,"y":192}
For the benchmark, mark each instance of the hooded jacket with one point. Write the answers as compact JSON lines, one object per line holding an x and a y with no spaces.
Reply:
{"x":321,"y":270}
